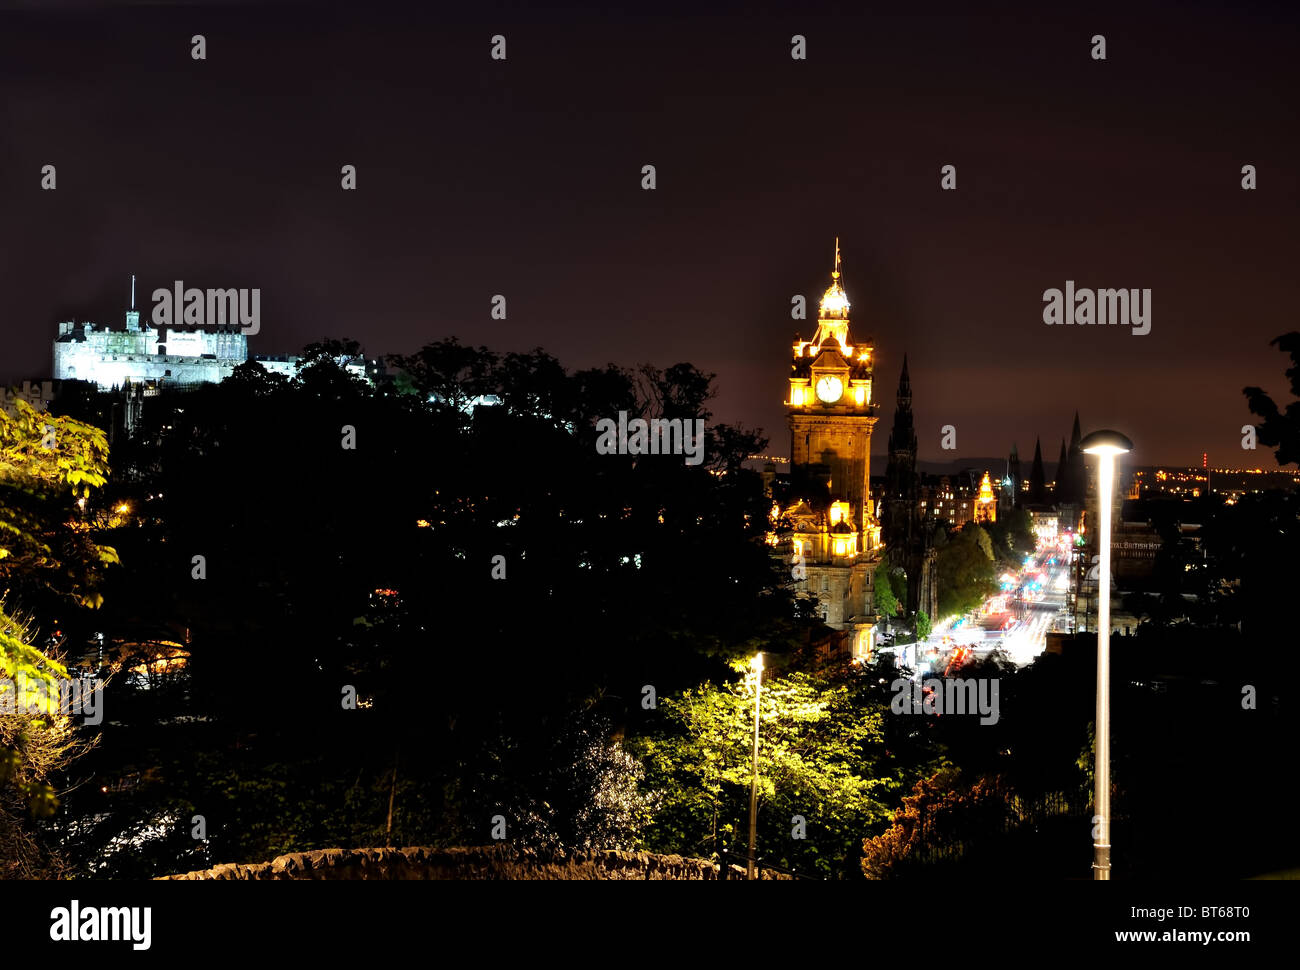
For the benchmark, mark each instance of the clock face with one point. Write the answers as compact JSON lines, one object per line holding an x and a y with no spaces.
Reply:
{"x":829,"y":389}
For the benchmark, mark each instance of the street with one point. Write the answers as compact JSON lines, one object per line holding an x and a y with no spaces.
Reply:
{"x":1016,"y":618}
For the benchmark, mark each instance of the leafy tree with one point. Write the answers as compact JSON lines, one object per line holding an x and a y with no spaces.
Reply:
{"x":965,"y":570}
{"x":923,"y":624}
{"x":1012,"y":537}
{"x":821,"y":757}
{"x":250,"y":473}
{"x":49,"y":467}
{"x":941,"y":813}
{"x":1280,"y":429}
{"x":575,"y":788}
{"x":886,"y":603}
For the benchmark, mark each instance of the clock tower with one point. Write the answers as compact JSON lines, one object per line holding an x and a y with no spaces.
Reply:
{"x":834,"y":535}
{"x":831,"y":412}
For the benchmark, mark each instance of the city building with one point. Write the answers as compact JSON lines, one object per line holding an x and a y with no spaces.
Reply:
{"x":827,"y":529}
{"x":949,"y":502}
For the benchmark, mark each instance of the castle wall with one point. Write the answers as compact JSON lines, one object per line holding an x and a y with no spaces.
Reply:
{"x":111,"y":358}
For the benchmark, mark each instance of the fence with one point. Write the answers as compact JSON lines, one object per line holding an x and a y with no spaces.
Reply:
{"x":1007,"y":826}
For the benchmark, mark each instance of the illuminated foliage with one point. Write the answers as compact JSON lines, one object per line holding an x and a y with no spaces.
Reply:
{"x":941,"y":814}
{"x":49,"y":467}
{"x":820,"y":755}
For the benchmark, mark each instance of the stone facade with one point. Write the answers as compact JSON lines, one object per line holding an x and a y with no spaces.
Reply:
{"x":111,"y":358}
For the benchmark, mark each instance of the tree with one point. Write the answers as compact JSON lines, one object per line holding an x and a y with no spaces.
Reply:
{"x":219,"y":468}
{"x":821,"y":759}
{"x":965,"y":570}
{"x":1280,"y":429}
{"x":49,"y":467}
{"x":886,"y":602}
{"x":941,"y":813}
{"x":923,"y":624}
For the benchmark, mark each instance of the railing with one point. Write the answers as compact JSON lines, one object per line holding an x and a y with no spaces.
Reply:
{"x":724,"y":867}
{"x":1004,"y":813}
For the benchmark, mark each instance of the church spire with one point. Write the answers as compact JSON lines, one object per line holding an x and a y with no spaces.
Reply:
{"x":1037,"y":482}
{"x":1076,"y":476}
{"x":902,"y":439}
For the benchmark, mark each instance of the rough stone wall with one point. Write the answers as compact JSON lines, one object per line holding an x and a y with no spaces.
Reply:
{"x":476,"y":863}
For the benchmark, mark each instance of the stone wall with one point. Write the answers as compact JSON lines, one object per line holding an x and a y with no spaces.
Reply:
{"x":478,"y":863}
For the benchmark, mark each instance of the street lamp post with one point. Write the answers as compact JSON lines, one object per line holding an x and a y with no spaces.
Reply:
{"x":1105,"y":445}
{"x":751,"y":869}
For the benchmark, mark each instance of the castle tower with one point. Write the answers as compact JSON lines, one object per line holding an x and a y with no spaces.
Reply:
{"x":133,"y":315}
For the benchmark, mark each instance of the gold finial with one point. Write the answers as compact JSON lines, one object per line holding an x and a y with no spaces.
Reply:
{"x":836,"y":275}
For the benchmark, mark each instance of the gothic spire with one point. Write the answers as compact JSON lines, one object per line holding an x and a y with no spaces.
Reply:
{"x":1037,"y":480}
{"x":1076,"y":480}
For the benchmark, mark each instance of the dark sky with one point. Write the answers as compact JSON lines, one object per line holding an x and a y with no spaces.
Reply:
{"x":523,"y":178}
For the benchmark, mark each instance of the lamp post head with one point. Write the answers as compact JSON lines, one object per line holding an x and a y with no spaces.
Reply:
{"x":1105,"y":443}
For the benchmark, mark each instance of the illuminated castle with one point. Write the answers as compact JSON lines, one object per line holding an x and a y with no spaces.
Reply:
{"x":142,"y":355}
{"x":829,"y":530}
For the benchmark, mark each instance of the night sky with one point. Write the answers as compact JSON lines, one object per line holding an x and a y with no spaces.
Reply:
{"x":478,"y":177}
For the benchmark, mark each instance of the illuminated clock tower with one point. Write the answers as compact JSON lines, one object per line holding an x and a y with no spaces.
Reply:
{"x":831,"y":411}
{"x":834,"y":534}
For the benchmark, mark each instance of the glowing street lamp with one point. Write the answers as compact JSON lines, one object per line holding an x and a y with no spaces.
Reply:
{"x":1105,"y":445}
{"x":750,"y":870}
